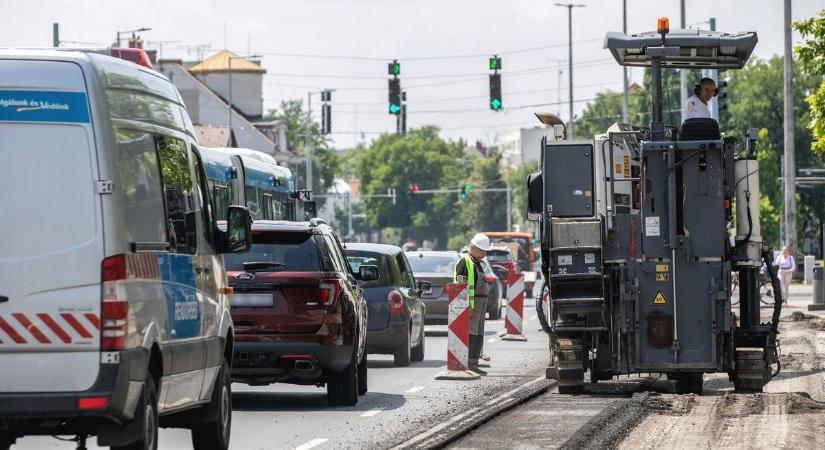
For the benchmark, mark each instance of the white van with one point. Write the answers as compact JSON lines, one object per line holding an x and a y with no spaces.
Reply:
{"x":114,"y":313}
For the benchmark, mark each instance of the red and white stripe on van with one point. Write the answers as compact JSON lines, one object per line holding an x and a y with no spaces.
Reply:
{"x":49,"y":328}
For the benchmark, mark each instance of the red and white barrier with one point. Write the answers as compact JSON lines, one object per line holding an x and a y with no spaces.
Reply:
{"x":514,"y":317}
{"x":458,"y":335}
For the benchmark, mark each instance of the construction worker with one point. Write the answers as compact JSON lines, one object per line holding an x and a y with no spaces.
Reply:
{"x":468,"y":270}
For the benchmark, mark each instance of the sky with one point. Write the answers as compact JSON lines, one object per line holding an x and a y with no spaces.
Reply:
{"x":442,"y":45}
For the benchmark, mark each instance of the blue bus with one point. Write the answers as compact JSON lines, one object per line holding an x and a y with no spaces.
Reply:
{"x":250,"y":178}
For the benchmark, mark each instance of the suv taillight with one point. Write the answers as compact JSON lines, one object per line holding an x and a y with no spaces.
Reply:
{"x":329,"y":292}
{"x":114,"y":312}
{"x":396,"y":302}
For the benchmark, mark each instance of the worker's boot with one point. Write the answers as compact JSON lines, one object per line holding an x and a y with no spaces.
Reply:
{"x":475,"y":352}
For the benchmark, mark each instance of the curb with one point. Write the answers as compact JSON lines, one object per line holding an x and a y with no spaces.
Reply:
{"x":458,"y":426}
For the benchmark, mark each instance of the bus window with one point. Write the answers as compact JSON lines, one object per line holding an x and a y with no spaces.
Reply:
{"x":266,"y":207}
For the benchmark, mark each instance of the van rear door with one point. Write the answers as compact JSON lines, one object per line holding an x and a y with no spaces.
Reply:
{"x":51,"y":242}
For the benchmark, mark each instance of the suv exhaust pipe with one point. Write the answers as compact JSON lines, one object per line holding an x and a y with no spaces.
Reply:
{"x":304,"y":365}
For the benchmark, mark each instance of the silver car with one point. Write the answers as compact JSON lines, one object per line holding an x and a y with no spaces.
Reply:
{"x":437,"y":268}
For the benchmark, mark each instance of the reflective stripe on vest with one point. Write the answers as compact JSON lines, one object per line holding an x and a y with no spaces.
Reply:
{"x":468,"y":262}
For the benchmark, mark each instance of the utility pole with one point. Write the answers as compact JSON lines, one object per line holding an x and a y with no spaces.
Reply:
{"x":714,"y":75}
{"x":309,"y":141}
{"x":55,"y":34}
{"x":570,"y":7}
{"x":789,"y":155}
{"x":625,"y":103}
{"x":683,"y":90}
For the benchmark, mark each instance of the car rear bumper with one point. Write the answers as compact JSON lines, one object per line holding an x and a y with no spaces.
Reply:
{"x":59,"y":413}
{"x":270,"y":362}
{"x":386,"y":340}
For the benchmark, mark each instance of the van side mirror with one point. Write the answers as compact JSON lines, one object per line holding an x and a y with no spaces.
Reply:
{"x":535,"y":196}
{"x":424,"y":286}
{"x":368,"y":273}
{"x":238,"y":235}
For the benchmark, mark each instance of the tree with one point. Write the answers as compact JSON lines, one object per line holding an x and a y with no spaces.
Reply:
{"x":325,"y":161}
{"x":755,"y":100}
{"x":517,"y":180}
{"x":395,"y":161}
{"x":598,"y":115}
{"x":812,"y":56}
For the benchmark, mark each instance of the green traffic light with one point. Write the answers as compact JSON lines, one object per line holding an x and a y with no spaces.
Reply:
{"x":495,"y":104}
{"x":462,"y":196}
{"x":495,"y":63}
{"x":468,"y":187}
{"x":395,"y":109}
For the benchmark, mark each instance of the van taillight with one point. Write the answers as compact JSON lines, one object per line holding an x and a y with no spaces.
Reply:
{"x":396,"y":301}
{"x":114,"y":312}
{"x":329,"y":292}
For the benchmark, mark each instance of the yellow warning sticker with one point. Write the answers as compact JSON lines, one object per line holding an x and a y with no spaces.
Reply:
{"x":661,"y":267}
{"x":659,"y":299}
{"x":662,"y":276}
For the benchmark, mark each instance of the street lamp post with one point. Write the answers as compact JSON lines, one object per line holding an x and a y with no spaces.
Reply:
{"x":229,"y":69}
{"x":570,"y":7}
{"x":137,"y":30}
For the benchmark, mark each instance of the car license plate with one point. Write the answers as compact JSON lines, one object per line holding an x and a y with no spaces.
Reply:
{"x":250,"y":300}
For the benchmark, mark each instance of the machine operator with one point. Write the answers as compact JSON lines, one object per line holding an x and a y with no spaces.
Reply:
{"x":697,"y":105}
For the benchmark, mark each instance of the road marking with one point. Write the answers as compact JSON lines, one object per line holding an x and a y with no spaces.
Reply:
{"x":533,"y":317}
{"x":311,"y":444}
{"x":414,"y":390}
{"x":491,"y":340}
{"x":371,"y":413}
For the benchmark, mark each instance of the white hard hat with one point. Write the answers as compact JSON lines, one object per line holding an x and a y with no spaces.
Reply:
{"x":481,"y":241}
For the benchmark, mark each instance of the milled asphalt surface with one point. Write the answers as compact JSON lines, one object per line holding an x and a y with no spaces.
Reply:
{"x":402,"y":402}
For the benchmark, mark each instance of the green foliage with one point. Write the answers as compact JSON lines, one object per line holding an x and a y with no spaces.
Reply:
{"x":422,"y":157}
{"x":603,"y":111}
{"x":812,"y":56}
{"x":517,"y":180}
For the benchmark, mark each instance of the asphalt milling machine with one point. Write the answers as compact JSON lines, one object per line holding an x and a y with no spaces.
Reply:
{"x":638,"y":241}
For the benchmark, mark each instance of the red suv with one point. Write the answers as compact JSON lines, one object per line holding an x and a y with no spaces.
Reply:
{"x":299,"y":315}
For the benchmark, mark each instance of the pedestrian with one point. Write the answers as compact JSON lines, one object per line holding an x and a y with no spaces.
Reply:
{"x":468,"y":270}
{"x":697,"y":105}
{"x":786,"y":265}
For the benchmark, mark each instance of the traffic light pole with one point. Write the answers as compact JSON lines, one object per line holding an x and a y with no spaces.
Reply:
{"x":309,"y":141}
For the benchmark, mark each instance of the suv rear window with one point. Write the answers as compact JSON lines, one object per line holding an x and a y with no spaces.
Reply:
{"x":432,"y":264}
{"x":277,"y":252}
{"x":357,"y":258}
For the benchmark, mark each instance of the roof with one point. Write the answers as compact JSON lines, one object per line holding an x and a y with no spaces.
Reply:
{"x":282,"y":225}
{"x":219,"y":62}
{"x":375,"y":248}
{"x":700,"y":49}
{"x":416,"y":253}
{"x":506,"y":234}
{"x":212,"y":136}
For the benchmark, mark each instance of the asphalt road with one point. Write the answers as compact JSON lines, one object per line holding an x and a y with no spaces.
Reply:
{"x":402,"y":402}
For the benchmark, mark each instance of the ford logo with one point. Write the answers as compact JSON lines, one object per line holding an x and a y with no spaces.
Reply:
{"x":246,"y":276}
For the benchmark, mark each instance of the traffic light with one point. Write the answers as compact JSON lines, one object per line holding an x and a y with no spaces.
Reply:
{"x":394,"y":68}
{"x":395,"y":96}
{"x":495,"y":63}
{"x":495,"y":91}
{"x":464,"y":191}
{"x":412,"y":188}
{"x":326,"y":118}
{"x":722,"y":95}
{"x":326,"y":112}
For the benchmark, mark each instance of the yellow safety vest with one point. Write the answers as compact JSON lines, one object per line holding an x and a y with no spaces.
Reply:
{"x":468,"y":261}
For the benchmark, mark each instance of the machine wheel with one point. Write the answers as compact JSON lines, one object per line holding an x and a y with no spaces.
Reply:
{"x":215,"y":435}
{"x":417,"y":353}
{"x":571,"y":365}
{"x":403,"y":353}
{"x":148,"y":406}
{"x":751,"y":371}
{"x":362,"y":375}
{"x":545,"y":294}
{"x":687,"y":383}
